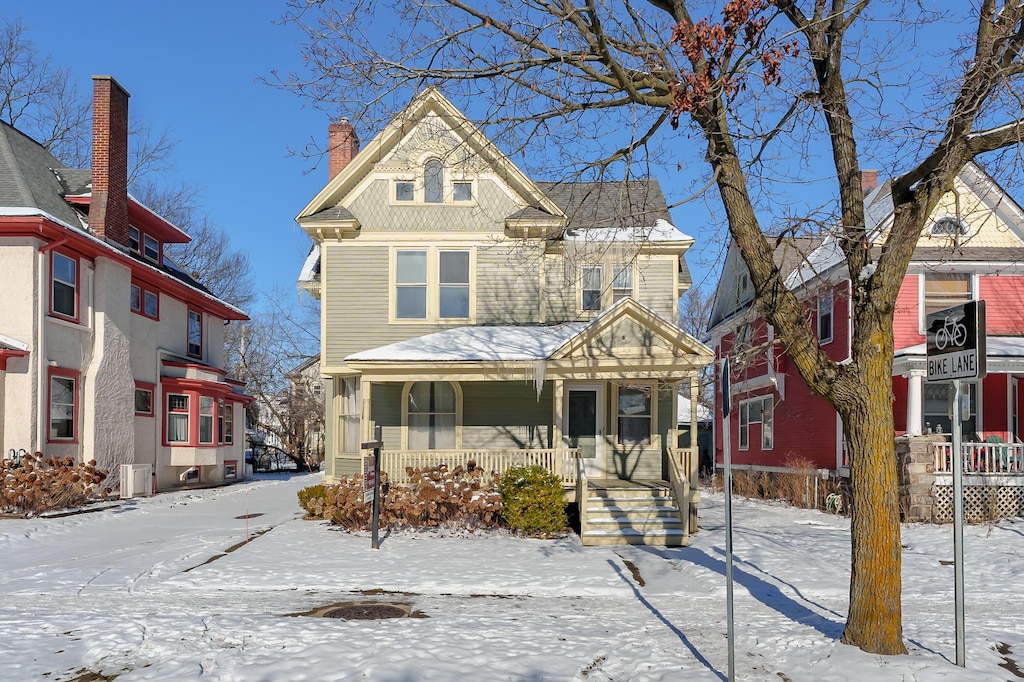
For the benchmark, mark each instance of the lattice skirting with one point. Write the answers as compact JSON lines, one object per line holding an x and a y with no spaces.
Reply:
{"x":981,"y":503}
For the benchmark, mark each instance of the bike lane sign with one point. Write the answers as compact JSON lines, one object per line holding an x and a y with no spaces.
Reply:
{"x":956,"y":342}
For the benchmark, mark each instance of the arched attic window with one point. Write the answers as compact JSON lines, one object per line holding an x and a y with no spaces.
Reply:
{"x":948,"y":226}
{"x":433,"y":182}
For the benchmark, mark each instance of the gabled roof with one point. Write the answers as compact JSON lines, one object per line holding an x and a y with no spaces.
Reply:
{"x":430,"y":101}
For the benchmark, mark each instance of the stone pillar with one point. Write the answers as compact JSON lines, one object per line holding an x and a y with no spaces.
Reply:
{"x":915,"y":393}
{"x":916,"y":470}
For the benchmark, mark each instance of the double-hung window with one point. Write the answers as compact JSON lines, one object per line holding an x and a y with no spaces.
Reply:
{"x":63,"y":406}
{"x":151,"y":248}
{"x":757,"y":411}
{"x":945,"y":290}
{"x":411,"y":285}
{"x":207,"y":412}
{"x":348,"y":414}
{"x":64,"y":286}
{"x":195,"y":333}
{"x":177,"y":418}
{"x":432,"y":284}
{"x":226,"y":423}
{"x":634,"y":413}
{"x":590,"y":287}
{"x":825,"y":318}
{"x":453,"y":284}
{"x":134,"y":239}
{"x":145,"y":302}
{"x":622,"y":282}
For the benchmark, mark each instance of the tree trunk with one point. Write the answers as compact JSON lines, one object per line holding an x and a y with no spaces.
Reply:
{"x":875,"y":619}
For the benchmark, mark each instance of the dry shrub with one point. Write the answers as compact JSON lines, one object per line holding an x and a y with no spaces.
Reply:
{"x":37,"y":485}
{"x":436,"y":496}
{"x":801,"y":486}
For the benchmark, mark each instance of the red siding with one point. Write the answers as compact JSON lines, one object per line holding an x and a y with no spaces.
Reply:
{"x":994,"y":406}
{"x":906,"y":320}
{"x":1004,"y":304}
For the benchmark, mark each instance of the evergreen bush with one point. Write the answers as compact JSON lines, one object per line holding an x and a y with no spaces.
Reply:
{"x":532,"y":501}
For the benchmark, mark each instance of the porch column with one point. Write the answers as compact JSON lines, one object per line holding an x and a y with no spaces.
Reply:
{"x":915,"y":393}
{"x":694,"y":470}
{"x":556,"y":416}
{"x":365,"y":424}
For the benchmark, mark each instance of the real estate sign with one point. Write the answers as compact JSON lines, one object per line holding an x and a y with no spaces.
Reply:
{"x":956,"y":342}
{"x":369,"y":477}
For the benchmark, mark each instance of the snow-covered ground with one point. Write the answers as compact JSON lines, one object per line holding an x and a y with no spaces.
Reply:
{"x":132,"y":592}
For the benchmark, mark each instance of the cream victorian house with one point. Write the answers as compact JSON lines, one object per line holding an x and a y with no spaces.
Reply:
{"x":478,"y":316}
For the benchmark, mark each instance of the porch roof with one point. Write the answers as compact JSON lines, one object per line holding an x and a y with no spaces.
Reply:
{"x":505,"y":343}
{"x":1004,"y":355}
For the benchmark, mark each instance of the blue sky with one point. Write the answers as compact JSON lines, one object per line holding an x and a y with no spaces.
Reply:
{"x":192,"y":67}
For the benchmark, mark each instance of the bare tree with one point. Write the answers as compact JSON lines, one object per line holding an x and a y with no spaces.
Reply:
{"x":766,"y":95}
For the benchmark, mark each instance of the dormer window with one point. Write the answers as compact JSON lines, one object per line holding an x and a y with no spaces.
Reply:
{"x":433,"y":182}
{"x":151,"y":249}
{"x":948,"y":226}
{"x":133,"y":239}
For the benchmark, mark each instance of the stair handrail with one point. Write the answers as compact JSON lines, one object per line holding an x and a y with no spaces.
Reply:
{"x":581,"y":492}
{"x":680,"y":485}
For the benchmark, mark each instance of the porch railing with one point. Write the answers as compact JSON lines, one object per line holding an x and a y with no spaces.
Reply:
{"x":982,"y":458}
{"x":560,"y":462}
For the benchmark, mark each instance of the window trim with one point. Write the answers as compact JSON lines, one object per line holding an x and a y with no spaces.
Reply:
{"x":827,"y":315}
{"x":767,"y":405}
{"x":146,"y":238}
{"x":143,"y":293}
{"x":232,"y":465}
{"x":148,"y":388}
{"x":75,"y":377}
{"x":349,"y":402}
{"x":188,"y":332}
{"x":962,"y":228}
{"x":584,"y":290}
{"x":651,"y":416}
{"x":211,"y":416}
{"x":434,"y":163}
{"x":189,"y":440}
{"x":433,"y":285}
{"x":456,"y":387}
{"x":134,"y":239}
{"x":76,"y":286}
{"x":922,"y":296}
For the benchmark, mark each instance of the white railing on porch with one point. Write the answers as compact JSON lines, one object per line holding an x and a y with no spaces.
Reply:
{"x":982,"y":458}
{"x":560,"y":462}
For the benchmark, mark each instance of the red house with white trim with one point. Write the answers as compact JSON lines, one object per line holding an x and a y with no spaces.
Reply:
{"x":971,"y":249}
{"x":108,"y":351}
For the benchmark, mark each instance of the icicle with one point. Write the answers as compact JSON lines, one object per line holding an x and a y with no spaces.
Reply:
{"x":540,"y":368}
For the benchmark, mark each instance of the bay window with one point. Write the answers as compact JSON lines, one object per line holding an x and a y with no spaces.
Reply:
{"x":348,"y":415}
{"x":207,"y":409}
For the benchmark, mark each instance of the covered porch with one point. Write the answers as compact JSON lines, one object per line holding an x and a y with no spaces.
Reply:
{"x":598,"y":397}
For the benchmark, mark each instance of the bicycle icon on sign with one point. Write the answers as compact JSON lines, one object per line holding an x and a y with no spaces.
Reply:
{"x":952,"y":333}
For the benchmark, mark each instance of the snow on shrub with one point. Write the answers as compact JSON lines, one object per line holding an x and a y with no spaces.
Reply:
{"x":36,"y":485}
{"x":436,"y":496}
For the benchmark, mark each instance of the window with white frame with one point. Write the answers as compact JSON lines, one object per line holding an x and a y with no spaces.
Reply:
{"x":462,"y":191}
{"x":151,"y":248}
{"x":433,"y":181}
{"x":348,"y":414}
{"x":825,"y":318}
{"x":590,"y":287}
{"x":622,"y":282}
{"x":404,"y":191}
{"x":948,"y":226}
{"x":207,"y":413}
{"x":64,"y":286}
{"x":227,"y":422}
{"x":945,"y":290}
{"x":134,"y":239}
{"x":634,"y":415}
{"x":432,"y":284}
{"x":431,"y":412}
{"x":177,"y":418}
{"x":757,"y":411}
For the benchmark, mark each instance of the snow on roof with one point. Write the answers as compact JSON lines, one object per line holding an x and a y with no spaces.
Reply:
{"x":8,"y":343}
{"x":311,"y":266}
{"x":995,"y":347}
{"x":473,"y":344}
{"x":661,"y":231}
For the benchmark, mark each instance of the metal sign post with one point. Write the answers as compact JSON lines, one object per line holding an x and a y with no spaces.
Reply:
{"x":727,"y":468}
{"x":957,"y":350}
{"x":375,"y":445}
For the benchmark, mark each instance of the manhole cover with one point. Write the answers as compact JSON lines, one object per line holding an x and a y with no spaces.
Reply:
{"x":367,"y":612}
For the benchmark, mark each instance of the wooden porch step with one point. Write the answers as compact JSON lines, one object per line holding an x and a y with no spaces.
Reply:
{"x":661,"y":538}
{"x":666,"y":506}
{"x":629,"y":493}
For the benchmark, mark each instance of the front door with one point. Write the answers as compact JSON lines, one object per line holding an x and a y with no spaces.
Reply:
{"x":584,"y":425}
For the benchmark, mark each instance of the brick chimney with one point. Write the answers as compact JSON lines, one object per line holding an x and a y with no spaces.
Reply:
{"x":342,"y":146}
{"x":108,"y":209}
{"x":868,"y":179}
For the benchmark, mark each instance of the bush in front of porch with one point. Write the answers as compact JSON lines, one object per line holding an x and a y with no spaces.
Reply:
{"x":532,"y":501}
